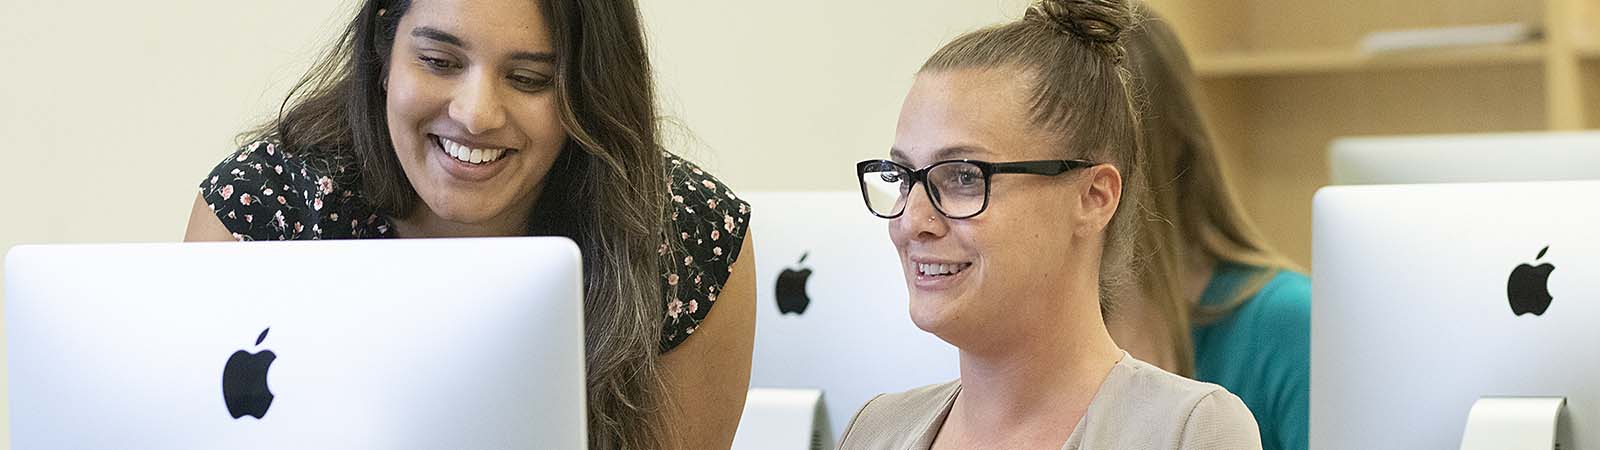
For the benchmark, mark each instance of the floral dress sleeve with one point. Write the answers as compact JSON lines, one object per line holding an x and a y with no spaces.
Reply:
{"x":709,"y":223}
{"x":263,"y":192}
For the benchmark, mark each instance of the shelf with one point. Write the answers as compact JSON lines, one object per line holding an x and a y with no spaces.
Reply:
{"x":1333,"y":61}
{"x":1589,"y":52}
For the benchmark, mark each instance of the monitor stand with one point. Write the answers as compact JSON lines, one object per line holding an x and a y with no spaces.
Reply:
{"x":1515,"y":423}
{"x":784,"y":419}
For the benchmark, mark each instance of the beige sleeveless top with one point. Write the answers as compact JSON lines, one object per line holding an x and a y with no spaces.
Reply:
{"x":1139,"y":406}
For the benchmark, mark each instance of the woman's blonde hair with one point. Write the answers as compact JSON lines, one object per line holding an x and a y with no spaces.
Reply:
{"x":1192,"y":211}
{"x":1071,"y":51}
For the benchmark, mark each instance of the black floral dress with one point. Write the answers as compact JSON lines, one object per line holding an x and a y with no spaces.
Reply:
{"x":264,"y":192}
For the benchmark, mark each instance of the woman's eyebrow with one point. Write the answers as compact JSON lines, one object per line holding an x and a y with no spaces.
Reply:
{"x":435,"y":34}
{"x":439,"y":35}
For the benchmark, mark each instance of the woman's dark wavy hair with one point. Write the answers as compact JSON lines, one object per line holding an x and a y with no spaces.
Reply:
{"x":607,"y":189}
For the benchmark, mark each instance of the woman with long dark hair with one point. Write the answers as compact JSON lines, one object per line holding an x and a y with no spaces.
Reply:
{"x":454,"y":118}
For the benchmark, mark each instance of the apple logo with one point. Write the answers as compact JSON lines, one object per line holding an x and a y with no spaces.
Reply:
{"x":1529,"y":287}
{"x":791,"y":289}
{"x":244,"y":381}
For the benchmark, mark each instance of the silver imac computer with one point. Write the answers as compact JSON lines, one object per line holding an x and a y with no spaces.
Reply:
{"x":398,"y":344}
{"x":832,"y":307}
{"x":1429,"y":298}
{"x":1537,"y":156}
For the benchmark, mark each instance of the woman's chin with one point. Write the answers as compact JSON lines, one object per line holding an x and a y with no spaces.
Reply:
{"x":464,"y":214}
{"x":935,"y":319}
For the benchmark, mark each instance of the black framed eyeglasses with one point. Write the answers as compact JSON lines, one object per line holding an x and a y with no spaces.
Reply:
{"x":959,"y":188}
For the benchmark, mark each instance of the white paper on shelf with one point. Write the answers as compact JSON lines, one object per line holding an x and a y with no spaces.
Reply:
{"x":1446,"y":37}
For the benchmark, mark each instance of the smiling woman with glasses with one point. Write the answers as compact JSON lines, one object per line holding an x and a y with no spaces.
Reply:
{"x":1016,"y":263}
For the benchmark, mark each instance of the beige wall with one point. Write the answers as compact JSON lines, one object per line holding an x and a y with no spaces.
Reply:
{"x":111,"y":112}
{"x":789,"y":95}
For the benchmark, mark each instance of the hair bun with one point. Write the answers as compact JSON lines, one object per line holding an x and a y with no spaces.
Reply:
{"x":1099,"y":21}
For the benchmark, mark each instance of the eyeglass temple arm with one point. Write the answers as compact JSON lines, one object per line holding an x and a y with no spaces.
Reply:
{"x":1048,"y":167}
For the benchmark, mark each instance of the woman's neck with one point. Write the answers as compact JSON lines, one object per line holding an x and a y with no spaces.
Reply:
{"x":422,"y":222}
{"x":1033,"y":388}
{"x":1144,"y":329}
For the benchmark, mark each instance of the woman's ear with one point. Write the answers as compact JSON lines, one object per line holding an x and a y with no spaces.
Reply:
{"x":1099,"y":198}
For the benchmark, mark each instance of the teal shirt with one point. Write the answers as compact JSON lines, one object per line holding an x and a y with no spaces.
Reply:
{"x":1262,"y":352}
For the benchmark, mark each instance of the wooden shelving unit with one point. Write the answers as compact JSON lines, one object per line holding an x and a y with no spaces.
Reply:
{"x":1333,"y":61}
{"x":1280,"y":79}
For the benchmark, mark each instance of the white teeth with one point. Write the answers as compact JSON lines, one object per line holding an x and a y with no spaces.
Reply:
{"x":941,"y":269}
{"x":470,"y":155}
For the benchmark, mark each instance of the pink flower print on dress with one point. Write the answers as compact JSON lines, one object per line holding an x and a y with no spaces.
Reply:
{"x":688,"y":260}
{"x":672,"y":279}
{"x":317,"y":204}
{"x":694,"y":306}
{"x":712,"y":203}
{"x":282,"y":201}
{"x":727,"y":222}
{"x":227,"y":192}
{"x":717,"y":251}
{"x":325,"y":184}
{"x":677,"y":198}
{"x":715,"y":235}
{"x":708,"y":184}
{"x":674,"y":308}
{"x":245,"y":199}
